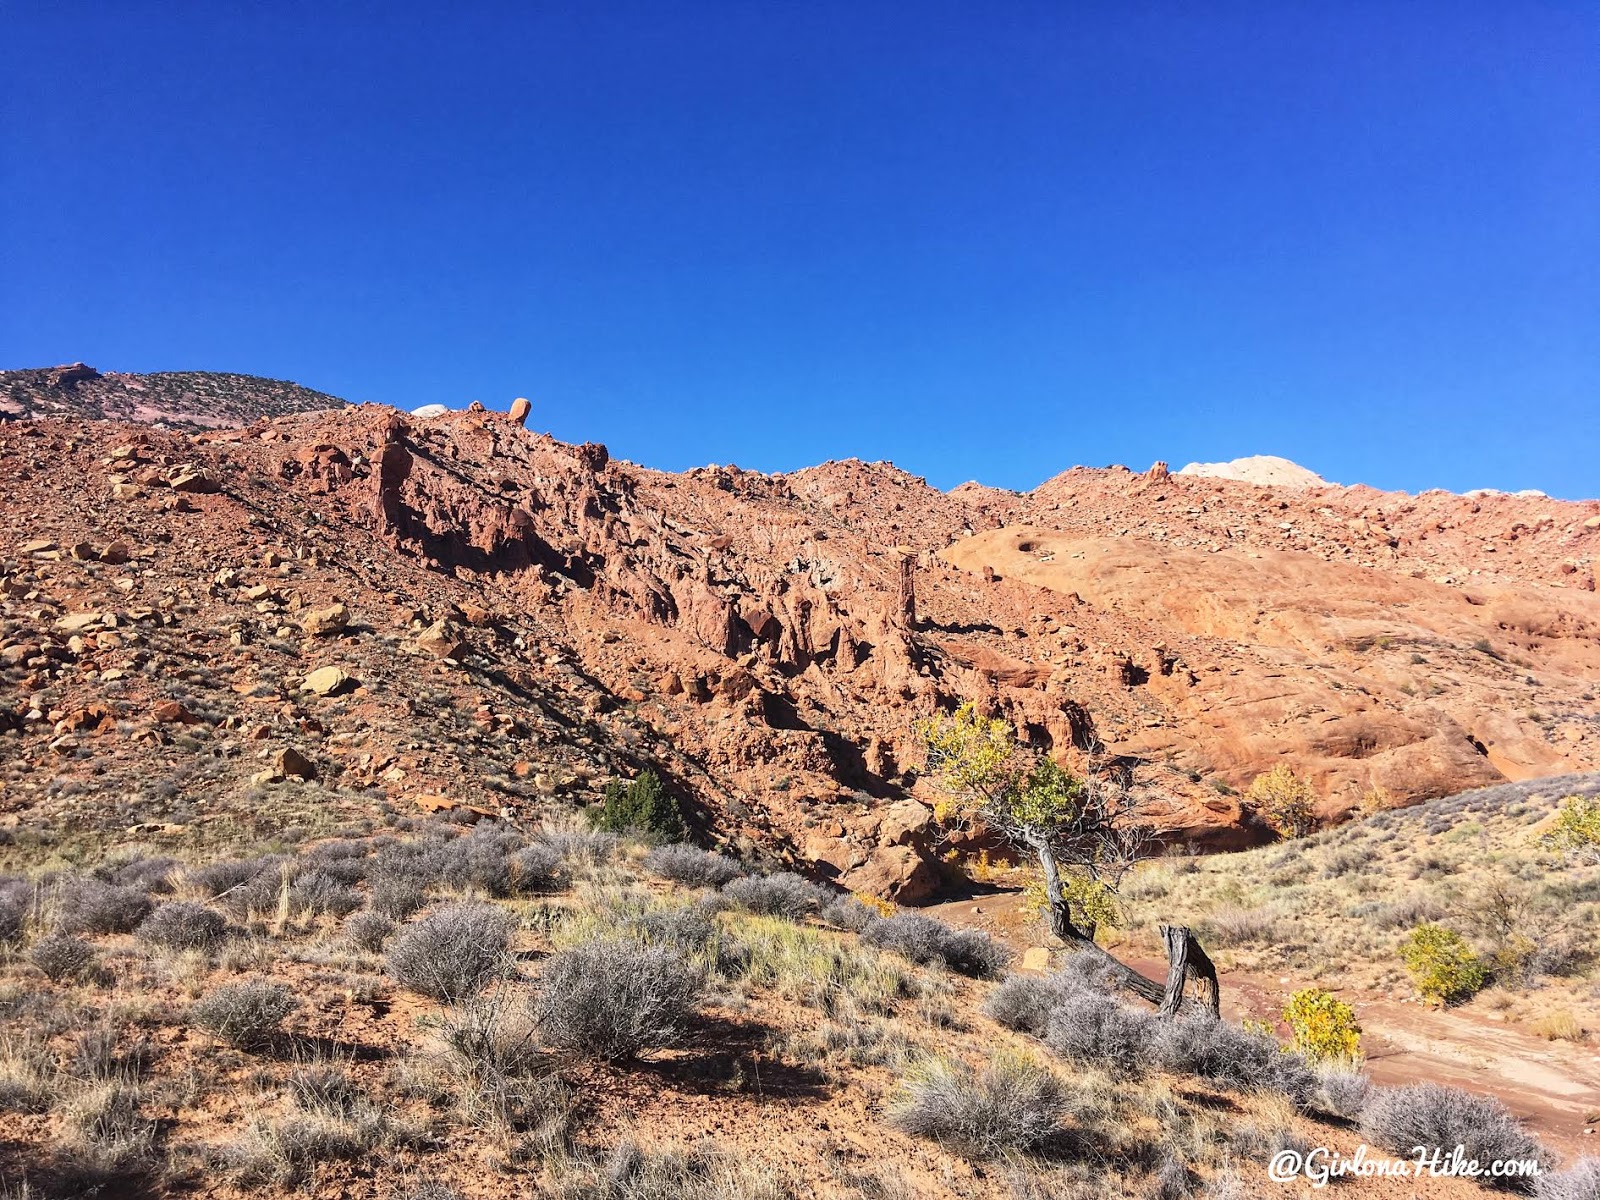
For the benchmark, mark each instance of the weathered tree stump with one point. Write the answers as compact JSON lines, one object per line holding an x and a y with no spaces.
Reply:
{"x":1185,"y":958}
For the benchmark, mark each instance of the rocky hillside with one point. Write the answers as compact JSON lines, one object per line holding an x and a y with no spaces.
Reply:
{"x":178,"y":399}
{"x":355,"y":607}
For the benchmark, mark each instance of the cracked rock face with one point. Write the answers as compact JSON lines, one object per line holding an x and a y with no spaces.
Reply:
{"x":457,"y":607}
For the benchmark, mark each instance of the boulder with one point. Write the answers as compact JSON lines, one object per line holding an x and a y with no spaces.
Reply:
{"x":905,"y":823}
{"x":896,"y":873}
{"x":291,"y":764}
{"x":200,"y":480}
{"x":442,"y":640}
{"x":170,"y":712}
{"x":520,"y":408}
{"x":324,"y":622}
{"x":325,"y":681}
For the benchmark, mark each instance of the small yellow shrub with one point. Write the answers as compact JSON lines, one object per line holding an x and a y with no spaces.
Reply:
{"x":1324,"y":1027}
{"x":1285,"y":802}
{"x":1090,"y":901}
{"x":884,"y":908}
{"x":1577,"y":826}
{"x":1442,"y":965}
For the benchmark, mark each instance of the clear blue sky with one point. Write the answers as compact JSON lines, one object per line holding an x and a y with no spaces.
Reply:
{"x":984,"y":240}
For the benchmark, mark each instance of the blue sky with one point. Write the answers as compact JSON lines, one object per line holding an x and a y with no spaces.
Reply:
{"x":982,"y":240}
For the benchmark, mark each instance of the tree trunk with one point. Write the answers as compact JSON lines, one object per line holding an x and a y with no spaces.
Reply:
{"x":1184,"y":955}
{"x":1185,"y":958}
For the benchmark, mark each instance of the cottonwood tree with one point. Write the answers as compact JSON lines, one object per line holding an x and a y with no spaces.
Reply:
{"x":1086,"y":835}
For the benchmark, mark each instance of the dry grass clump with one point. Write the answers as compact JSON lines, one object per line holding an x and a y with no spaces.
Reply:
{"x":488,"y":1052}
{"x":819,"y":968}
{"x":368,"y":930}
{"x":615,"y":999}
{"x":1013,"y":1104}
{"x":1557,"y":1026}
{"x":453,"y":953}
{"x":702,"y":1173}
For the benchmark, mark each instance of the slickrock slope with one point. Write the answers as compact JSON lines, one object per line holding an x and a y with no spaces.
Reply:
{"x":517,"y":620}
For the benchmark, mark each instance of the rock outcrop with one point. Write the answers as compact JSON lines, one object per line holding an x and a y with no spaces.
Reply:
{"x":536,"y":617}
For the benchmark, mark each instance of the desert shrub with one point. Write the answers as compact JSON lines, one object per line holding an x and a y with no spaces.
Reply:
{"x":1284,"y":801}
{"x":1442,"y":1118}
{"x":1444,"y":968}
{"x":781,"y":895}
{"x":614,"y":998}
{"x":1024,"y":1003}
{"x":641,"y":805}
{"x":852,"y":913}
{"x":692,"y":866}
{"x":1342,"y":1090}
{"x":1580,"y":1181}
{"x":1577,"y":826}
{"x":1229,"y":1056}
{"x":61,"y":956}
{"x":397,"y":898}
{"x":538,"y":869}
{"x":453,"y":953}
{"x":924,"y":940}
{"x":16,"y":903}
{"x":1013,"y":1104}
{"x":1090,"y":1027}
{"x":216,"y":879}
{"x":245,"y":1015}
{"x":1416,"y":908}
{"x":146,"y":874}
{"x":182,"y":925}
{"x":89,"y":905}
{"x":479,"y":861}
{"x":688,"y":928}
{"x":317,"y":892}
{"x":1323,"y":1026}
{"x":592,"y":849}
{"x":368,"y":930}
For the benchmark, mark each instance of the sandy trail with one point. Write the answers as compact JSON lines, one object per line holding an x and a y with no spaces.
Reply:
{"x":1554,"y":1087}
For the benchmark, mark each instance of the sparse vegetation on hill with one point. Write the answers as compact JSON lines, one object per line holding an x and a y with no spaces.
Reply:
{"x":524,"y":1027}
